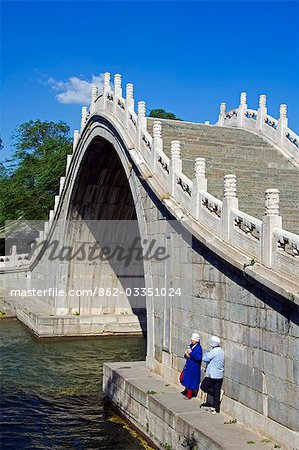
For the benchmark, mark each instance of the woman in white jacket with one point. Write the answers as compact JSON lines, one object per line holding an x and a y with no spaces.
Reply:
{"x":212,"y":382}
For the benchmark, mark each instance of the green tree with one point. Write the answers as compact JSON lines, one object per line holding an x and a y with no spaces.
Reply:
{"x":30,"y":179}
{"x":162,"y":114}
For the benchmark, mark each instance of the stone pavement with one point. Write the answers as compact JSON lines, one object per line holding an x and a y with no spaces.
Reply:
{"x":157,"y":409}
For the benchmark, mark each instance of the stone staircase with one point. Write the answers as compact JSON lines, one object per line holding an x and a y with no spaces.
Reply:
{"x":257,"y":165}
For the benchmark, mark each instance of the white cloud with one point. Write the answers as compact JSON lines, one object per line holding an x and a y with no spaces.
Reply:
{"x":74,"y":90}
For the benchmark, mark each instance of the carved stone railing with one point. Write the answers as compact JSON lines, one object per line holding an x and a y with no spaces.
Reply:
{"x":286,"y":251}
{"x":264,"y":241}
{"x":259,"y":121}
{"x":14,"y":259}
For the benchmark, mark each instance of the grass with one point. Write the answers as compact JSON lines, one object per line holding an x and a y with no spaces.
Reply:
{"x":230,"y":422}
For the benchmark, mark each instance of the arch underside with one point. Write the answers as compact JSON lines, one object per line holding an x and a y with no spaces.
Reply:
{"x":102,"y":220}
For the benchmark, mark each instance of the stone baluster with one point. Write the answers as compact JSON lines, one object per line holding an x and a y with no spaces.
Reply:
{"x":157,"y":146}
{"x":35,"y":244}
{"x":242,"y":109}
{"x":229,"y":202}
{"x":222,"y":114}
{"x":106,"y":89}
{"x":61,"y":184}
{"x":56,"y":202}
{"x":83,"y":117}
{"x":141,"y":121}
{"x":130,"y":96}
{"x":75,"y":139}
{"x":51,"y":215}
{"x":270,"y":220}
{"x":14,"y":255}
{"x":199,"y":185}
{"x":262,"y":112}
{"x":68,"y":162}
{"x":129,"y":101}
{"x":282,"y":124}
{"x":175,"y":164}
{"x":46,"y":228}
{"x":117,"y":90}
{"x":94,"y":96}
{"x":141,"y":115}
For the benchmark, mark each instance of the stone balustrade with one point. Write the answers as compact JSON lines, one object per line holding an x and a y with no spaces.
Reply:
{"x":276,"y":130}
{"x":14,"y":259}
{"x":264,"y":241}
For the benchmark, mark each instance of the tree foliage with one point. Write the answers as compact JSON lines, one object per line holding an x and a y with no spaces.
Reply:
{"x":30,"y":179}
{"x":162,"y":114}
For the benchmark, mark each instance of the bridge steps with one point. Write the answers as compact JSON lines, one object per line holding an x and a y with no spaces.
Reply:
{"x":257,"y":165}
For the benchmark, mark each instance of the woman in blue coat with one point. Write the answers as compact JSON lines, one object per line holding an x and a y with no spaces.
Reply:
{"x":190,"y":376}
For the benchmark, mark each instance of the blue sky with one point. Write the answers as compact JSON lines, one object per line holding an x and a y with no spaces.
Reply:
{"x":185,"y":57}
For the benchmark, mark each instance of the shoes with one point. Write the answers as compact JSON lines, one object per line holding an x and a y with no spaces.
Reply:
{"x":203,"y":405}
{"x":184,"y":392}
{"x":187,"y":398}
{"x":221,"y":394}
{"x":213,"y":411}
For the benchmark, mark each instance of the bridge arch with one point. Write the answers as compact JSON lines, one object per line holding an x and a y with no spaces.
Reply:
{"x":101,"y":203}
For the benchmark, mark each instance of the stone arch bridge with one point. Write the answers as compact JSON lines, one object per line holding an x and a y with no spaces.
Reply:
{"x":178,"y":249}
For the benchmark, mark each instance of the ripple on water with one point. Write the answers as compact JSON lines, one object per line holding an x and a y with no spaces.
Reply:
{"x":51,"y":394}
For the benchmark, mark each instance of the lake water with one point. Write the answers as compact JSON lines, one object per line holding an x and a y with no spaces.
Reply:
{"x":51,"y":391}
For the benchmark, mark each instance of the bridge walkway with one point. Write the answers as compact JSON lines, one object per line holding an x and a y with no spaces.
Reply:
{"x":257,"y":165}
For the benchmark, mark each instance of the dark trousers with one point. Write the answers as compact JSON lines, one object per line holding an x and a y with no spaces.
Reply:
{"x":212,"y":386}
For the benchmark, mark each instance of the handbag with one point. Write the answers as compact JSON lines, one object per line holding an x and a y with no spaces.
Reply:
{"x":182,"y":374}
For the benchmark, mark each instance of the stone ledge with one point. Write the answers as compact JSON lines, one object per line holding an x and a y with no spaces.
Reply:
{"x":158,"y":410}
{"x":45,"y":325}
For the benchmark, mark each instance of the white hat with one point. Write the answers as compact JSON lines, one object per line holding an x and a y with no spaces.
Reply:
{"x":195,"y":337}
{"x":214,"y":341}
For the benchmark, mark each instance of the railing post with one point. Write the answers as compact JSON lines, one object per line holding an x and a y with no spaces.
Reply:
{"x":117,"y":90}
{"x":141,"y":121}
{"x":222,"y":113}
{"x":129,"y":101}
{"x":157,"y":143}
{"x":94,"y":96}
{"x":199,"y":185}
{"x":262,"y":112}
{"x":229,"y":202}
{"x":106,"y":88}
{"x":75,"y":139}
{"x":175,"y":164}
{"x":61,"y":184}
{"x":282,"y":123}
{"x":242,"y":109}
{"x":270,"y":220}
{"x":68,"y":163}
{"x":14,"y":255}
{"x":56,"y":202}
{"x":83,"y":117}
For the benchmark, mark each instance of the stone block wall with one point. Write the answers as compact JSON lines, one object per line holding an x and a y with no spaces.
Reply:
{"x":258,"y":329}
